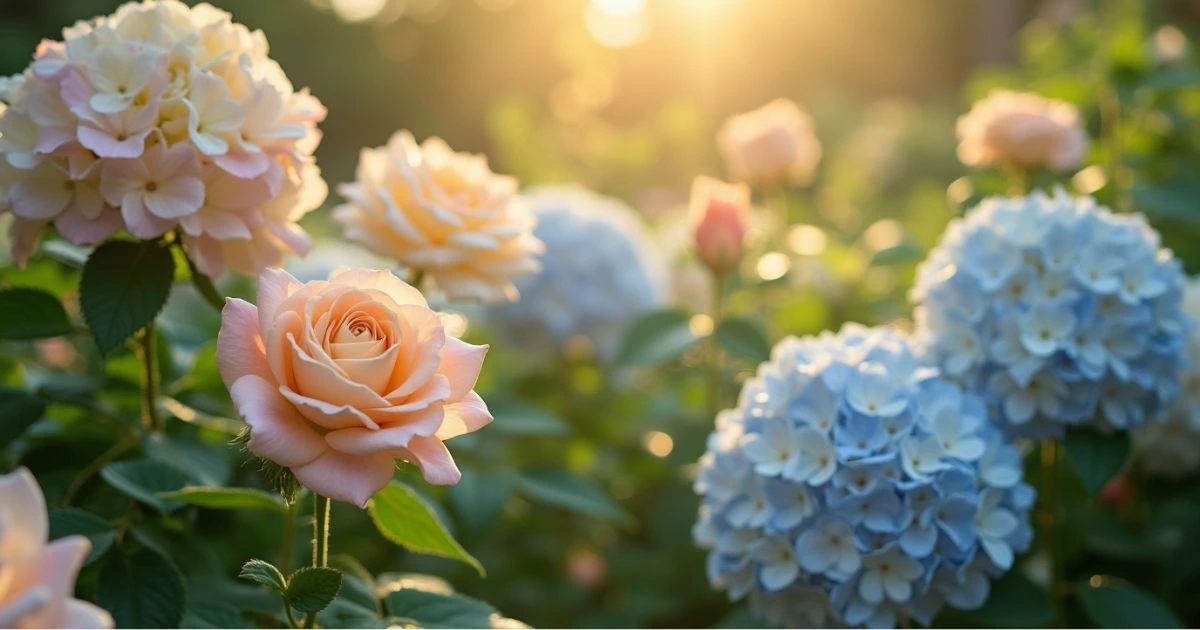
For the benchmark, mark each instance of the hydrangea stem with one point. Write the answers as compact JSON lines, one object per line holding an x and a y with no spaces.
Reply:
{"x":1018,"y":179}
{"x":149,"y":360}
{"x":1051,"y":481}
{"x":320,"y":543}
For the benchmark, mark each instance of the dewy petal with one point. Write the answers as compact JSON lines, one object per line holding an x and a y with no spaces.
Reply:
{"x":240,"y":348}
{"x":362,"y":441}
{"x":432,"y":457}
{"x":350,"y":478}
{"x":461,"y":363}
{"x":25,"y":527}
{"x":277,"y":430}
{"x":467,"y":415}
{"x":328,"y":415}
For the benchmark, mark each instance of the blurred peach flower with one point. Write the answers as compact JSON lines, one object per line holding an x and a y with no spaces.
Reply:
{"x":443,"y":213}
{"x":339,"y":378}
{"x":1022,"y":130}
{"x":718,"y":212}
{"x":770,"y":146}
{"x":37,"y":578}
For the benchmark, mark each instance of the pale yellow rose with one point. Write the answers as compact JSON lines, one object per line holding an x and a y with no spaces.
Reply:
{"x":771,"y":145}
{"x":443,"y":213}
{"x":1023,"y":130}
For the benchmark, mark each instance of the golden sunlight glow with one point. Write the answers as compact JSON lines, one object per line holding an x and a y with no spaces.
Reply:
{"x":807,"y":240}
{"x":620,"y":7}
{"x":700,"y":325}
{"x":615,"y":30}
{"x":883,"y":234}
{"x":1090,"y":179}
{"x":358,"y":10}
{"x":658,"y":443}
{"x":773,"y":265}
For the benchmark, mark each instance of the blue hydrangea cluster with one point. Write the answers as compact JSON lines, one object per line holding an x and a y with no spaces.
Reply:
{"x":599,"y":272}
{"x":851,"y":483}
{"x":1057,"y":311}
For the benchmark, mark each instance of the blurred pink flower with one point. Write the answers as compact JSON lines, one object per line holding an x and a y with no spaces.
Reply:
{"x":1023,"y":130}
{"x":718,"y":213}
{"x":770,"y":146}
{"x":37,"y":579}
{"x":338,"y":379}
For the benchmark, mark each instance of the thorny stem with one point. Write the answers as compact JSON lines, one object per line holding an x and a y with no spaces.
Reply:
{"x":320,"y":543}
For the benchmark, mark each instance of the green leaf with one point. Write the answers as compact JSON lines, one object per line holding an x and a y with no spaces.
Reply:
{"x":905,"y":253}
{"x":226,"y":498}
{"x":143,"y":590}
{"x":264,"y":573}
{"x":743,"y":338}
{"x":1125,"y":606}
{"x":1174,"y":199}
{"x":1097,"y":458}
{"x":311,"y":589}
{"x":514,"y":417}
{"x":1014,"y":602}
{"x":479,"y":496}
{"x":213,"y":616}
{"x":31,"y":314}
{"x":656,"y":337}
{"x":18,"y":410}
{"x":124,"y":286}
{"x":436,"y":610}
{"x":563,"y":489}
{"x":405,"y":519}
{"x":144,"y":479}
{"x":74,"y":522}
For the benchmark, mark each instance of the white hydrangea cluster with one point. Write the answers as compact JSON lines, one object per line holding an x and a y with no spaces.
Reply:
{"x":852,"y":485}
{"x":160,"y":118}
{"x":600,"y":270}
{"x":1170,"y":446}
{"x":1057,"y":311}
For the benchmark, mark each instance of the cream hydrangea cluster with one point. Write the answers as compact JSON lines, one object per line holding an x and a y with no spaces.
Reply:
{"x":159,"y":118}
{"x":442,"y":213}
{"x":1170,"y":447}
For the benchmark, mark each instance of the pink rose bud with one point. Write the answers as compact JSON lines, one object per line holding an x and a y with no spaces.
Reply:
{"x":719,"y":222}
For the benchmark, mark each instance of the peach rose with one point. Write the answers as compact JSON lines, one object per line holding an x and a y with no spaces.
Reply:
{"x":444,"y":213}
{"x":771,"y":145}
{"x":338,"y":379}
{"x":1020,"y":129}
{"x":37,"y":579}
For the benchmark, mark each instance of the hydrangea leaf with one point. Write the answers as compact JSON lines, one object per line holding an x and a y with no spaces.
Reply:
{"x":1097,"y":458}
{"x":123,"y":288}
{"x":142,"y":590}
{"x":1125,"y":606}
{"x":31,"y":314}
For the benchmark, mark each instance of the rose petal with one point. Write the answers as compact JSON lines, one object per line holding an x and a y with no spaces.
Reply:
{"x":277,"y":430}
{"x":328,"y":415}
{"x":80,"y":614}
{"x":393,"y":436}
{"x":460,"y":364}
{"x":397,"y":289}
{"x":240,"y":348}
{"x":351,"y":478}
{"x":318,"y":380}
{"x":469,"y":414}
{"x":274,"y":286}
{"x":433,"y":459}
{"x":54,"y":568}
{"x":24,"y":507}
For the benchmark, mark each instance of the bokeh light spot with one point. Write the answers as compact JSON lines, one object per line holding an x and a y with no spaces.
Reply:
{"x":658,"y":443}
{"x":773,"y":265}
{"x":807,"y":240}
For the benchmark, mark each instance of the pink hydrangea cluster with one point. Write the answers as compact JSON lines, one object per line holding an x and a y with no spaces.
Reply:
{"x":160,"y":118}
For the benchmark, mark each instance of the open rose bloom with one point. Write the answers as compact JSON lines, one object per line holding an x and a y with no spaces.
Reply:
{"x":161,"y":117}
{"x":770,"y":146}
{"x":37,"y":579}
{"x":338,"y":379}
{"x":444,"y":213}
{"x":1023,"y":130}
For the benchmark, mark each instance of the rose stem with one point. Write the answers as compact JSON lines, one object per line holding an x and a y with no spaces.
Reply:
{"x":320,"y":542}
{"x":714,"y":349}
